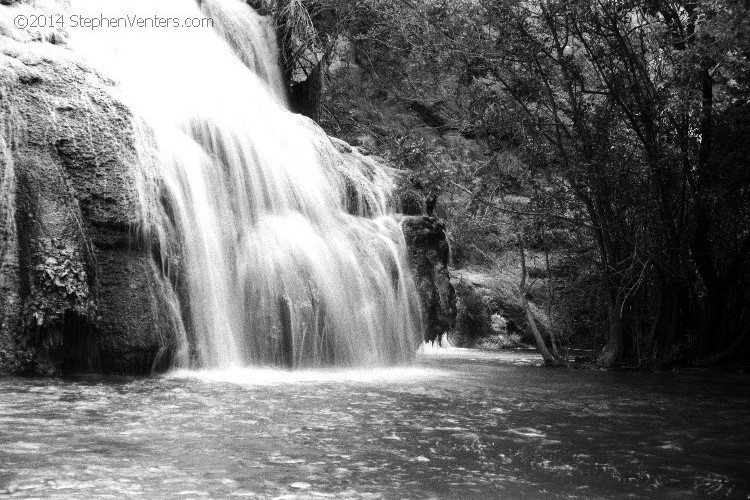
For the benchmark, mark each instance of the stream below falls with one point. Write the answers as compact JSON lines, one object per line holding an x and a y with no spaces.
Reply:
{"x":458,"y":424}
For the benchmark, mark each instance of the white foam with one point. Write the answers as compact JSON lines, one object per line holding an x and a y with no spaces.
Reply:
{"x":272,"y":376}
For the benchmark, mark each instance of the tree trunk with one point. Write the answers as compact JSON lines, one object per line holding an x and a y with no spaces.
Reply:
{"x":615,"y":347}
{"x":550,"y":297}
{"x":538,"y":339}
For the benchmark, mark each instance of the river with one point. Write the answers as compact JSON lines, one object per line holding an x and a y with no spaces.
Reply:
{"x":458,"y":424}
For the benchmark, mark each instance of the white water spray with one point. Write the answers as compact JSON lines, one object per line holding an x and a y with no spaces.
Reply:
{"x":252,"y":207}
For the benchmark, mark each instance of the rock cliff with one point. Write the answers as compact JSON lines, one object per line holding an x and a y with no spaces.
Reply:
{"x":77,"y":290}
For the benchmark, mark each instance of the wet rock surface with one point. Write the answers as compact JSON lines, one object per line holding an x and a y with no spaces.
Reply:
{"x":76,"y":285}
{"x":430,"y":252}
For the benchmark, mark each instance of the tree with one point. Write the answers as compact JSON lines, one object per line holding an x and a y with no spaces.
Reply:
{"x":619,"y":100}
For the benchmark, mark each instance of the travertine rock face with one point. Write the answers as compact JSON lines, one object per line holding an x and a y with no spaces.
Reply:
{"x":429,"y":252}
{"x":77,"y":290}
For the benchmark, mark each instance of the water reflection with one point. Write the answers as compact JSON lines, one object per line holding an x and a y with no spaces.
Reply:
{"x":461,"y":424}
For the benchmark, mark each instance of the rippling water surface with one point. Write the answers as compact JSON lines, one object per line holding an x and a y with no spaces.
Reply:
{"x":459,"y":424}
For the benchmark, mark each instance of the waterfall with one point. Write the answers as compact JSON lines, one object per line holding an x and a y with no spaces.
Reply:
{"x":279,"y":249}
{"x":253,"y":38}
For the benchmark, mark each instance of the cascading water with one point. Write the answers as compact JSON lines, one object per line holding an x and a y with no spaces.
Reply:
{"x":279,"y":250}
{"x":253,"y":39}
